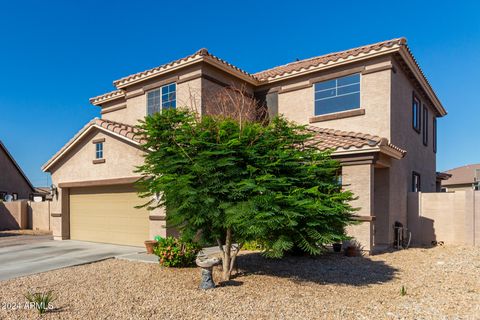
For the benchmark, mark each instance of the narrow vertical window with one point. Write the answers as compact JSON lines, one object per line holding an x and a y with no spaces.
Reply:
{"x":416,"y":183}
{"x":415,"y":113}
{"x":169,"y":96}
{"x":434,"y":134}
{"x":99,"y":150}
{"x":153,"y":102}
{"x":425,"y":125}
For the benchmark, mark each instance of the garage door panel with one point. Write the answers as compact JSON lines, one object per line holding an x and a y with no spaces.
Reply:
{"x":108,"y":214}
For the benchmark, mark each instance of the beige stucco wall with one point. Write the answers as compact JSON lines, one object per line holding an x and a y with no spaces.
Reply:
{"x":359,"y":180}
{"x":13,"y":215}
{"x":121,"y":158}
{"x":11,"y":180}
{"x":39,"y":215}
{"x":459,"y":187}
{"x":188,"y":95}
{"x":451,"y":217}
{"x":419,"y":158}
{"x":298,"y":105}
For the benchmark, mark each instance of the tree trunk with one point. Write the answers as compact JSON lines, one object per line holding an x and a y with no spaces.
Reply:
{"x":227,"y":256}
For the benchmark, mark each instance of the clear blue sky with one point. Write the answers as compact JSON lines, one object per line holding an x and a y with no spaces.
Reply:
{"x":55,"y":55}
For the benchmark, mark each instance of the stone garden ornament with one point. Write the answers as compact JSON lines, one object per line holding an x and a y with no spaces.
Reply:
{"x":207,"y":264}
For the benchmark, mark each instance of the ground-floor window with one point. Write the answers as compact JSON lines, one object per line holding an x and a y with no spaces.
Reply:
{"x":416,"y":183}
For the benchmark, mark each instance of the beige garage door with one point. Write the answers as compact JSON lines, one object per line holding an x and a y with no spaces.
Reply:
{"x":108,"y":214}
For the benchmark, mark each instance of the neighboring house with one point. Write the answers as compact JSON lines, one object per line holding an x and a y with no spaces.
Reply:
{"x":372,"y":105}
{"x":463,"y":178}
{"x":13,"y":181}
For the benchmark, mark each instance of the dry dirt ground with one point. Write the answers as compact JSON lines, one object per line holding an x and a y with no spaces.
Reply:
{"x":440,"y":283}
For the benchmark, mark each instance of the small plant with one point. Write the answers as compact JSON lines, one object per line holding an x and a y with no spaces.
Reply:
{"x":403,"y":291}
{"x":252,"y":246}
{"x":173,"y":252}
{"x":41,"y":300}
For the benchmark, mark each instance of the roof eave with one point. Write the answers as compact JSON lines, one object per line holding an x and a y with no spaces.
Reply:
{"x":409,"y":60}
{"x":123,"y":83}
{"x":331,"y":64}
{"x":98,"y":101}
{"x":387,"y":150}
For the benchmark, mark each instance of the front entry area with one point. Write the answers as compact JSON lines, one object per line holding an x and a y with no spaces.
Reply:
{"x":107,"y":214}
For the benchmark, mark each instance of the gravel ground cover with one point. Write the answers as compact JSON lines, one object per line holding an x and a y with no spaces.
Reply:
{"x":440,"y":283}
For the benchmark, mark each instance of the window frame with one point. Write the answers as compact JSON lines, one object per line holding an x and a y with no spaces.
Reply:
{"x":336,"y":88}
{"x":434,"y":139}
{"x":98,"y":151}
{"x":425,"y":125}
{"x":160,"y":92}
{"x":416,"y":188}
{"x":416,"y":126}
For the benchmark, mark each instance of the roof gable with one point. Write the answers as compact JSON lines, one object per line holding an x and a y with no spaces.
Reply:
{"x":15,"y":164}
{"x":122,"y":131}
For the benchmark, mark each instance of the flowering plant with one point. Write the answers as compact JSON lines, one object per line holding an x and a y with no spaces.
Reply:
{"x":173,"y":252}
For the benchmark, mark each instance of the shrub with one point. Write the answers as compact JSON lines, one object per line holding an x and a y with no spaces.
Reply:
{"x":173,"y":252}
{"x":253,"y":245}
{"x":41,"y":300}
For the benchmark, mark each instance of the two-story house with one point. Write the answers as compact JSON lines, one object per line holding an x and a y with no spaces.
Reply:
{"x":372,"y":105}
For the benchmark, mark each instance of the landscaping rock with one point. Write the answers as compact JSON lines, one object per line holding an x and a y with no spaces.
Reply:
{"x":329,"y":287}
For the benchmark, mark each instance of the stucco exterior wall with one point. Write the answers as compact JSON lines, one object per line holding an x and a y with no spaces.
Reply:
{"x":13,"y":215}
{"x":188,"y":95}
{"x":359,"y":180}
{"x":419,"y":158}
{"x":121,"y":158}
{"x":39,"y":215}
{"x":11,"y":180}
{"x":459,"y":187}
{"x":451,"y":217}
{"x":298,"y":104}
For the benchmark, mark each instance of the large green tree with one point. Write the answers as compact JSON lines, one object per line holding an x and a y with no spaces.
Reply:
{"x":231,"y":181}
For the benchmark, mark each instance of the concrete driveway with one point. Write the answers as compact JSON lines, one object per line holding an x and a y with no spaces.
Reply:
{"x":27,"y":259}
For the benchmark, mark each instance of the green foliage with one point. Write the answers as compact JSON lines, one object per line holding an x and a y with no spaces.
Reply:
{"x":403,"y":291}
{"x":252,"y":245}
{"x":173,"y":252}
{"x":261,"y":181}
{"x":41,"y":300}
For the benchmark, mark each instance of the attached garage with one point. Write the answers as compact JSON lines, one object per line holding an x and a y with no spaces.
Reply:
{"x":108,"y":214}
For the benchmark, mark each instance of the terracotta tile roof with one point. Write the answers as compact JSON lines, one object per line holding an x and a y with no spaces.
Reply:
{"x":200,"y":55}
{"x":462,"y":175}
{"x":342,"y":140}
{"x":112,"y":95}
{"x":122,"y":129}
{"x":398,"y":45}
{"x":324,"y":59}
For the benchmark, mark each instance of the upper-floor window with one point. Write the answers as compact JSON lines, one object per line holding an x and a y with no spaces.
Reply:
{"x":162,"y":98}
{"x":434,"y":134}
{"x":416,"y":183}
{"x":99,"y":150}
{"x":425,"y":125}
{"x":416,"y":113}
{"x":338,"y":94}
